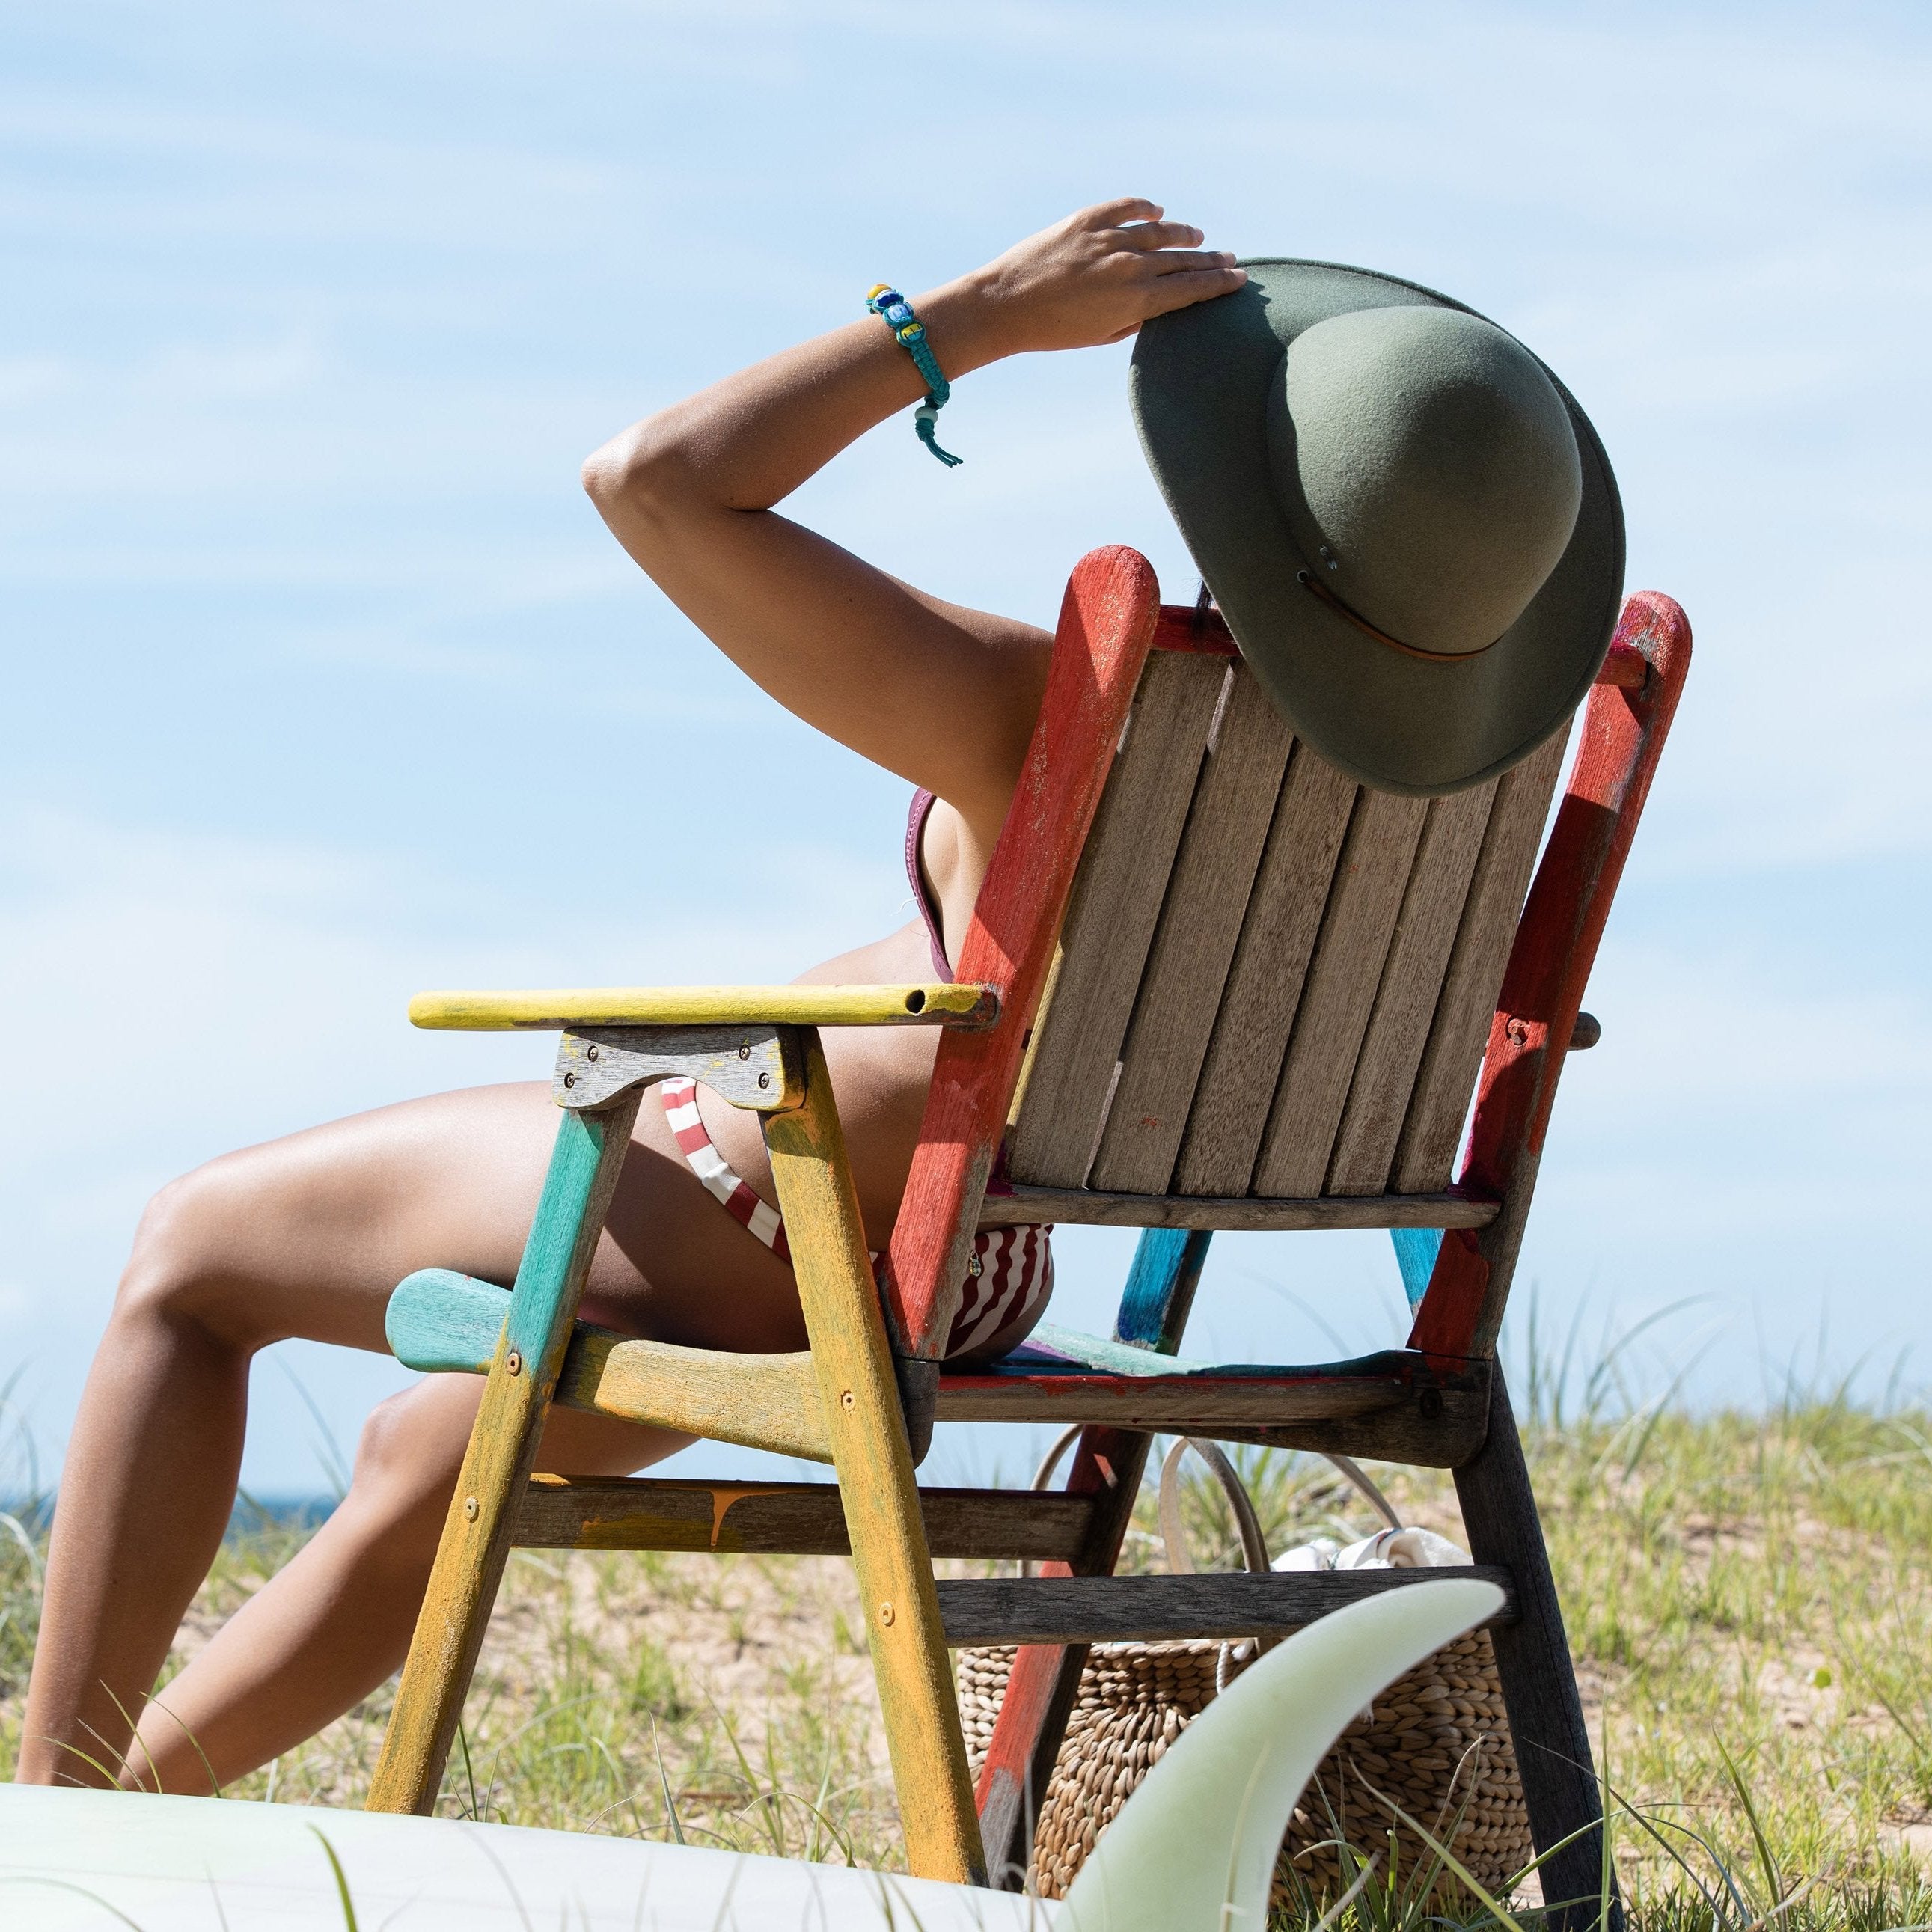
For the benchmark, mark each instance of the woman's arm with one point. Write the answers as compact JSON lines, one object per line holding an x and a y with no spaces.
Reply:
{"x":944,"y":696}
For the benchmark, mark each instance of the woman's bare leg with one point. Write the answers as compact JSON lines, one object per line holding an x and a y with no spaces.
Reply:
{"x":337,"y":1619}
{"x":307,"y":1236}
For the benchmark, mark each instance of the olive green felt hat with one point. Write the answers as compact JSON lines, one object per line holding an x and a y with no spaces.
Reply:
{"x":1409,"y":525}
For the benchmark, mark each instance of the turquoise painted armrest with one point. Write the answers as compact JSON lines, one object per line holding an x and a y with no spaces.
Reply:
{"x":440,"y":1322}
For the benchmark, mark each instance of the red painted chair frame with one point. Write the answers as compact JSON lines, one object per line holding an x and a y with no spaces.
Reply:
{"x":1109,"y":623}
{"x":1106,"y":628}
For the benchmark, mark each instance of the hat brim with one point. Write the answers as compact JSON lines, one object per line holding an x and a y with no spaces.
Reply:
{"x":1199,"y":386}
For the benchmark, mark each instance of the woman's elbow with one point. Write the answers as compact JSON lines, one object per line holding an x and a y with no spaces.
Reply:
{"x":635,"y":471}
{"x":604,"y":471}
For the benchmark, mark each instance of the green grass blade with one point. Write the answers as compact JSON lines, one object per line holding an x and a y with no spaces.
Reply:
{"x":341,"y":1881}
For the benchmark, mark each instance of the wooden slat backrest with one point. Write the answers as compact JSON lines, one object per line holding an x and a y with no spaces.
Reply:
{"x":1272,"y":981}
{"x":1362,"y":1151}
{"x":1194,"y":944}
{"x":1460,"y":1026}
{"x":1230,"y":1108}
{"x":1111,"y":919}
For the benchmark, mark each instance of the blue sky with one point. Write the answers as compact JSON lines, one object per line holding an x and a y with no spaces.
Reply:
{"x":311,"y":312}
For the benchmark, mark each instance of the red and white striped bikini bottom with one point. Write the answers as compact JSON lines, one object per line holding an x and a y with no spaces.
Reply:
{"x":1008,"y":1279}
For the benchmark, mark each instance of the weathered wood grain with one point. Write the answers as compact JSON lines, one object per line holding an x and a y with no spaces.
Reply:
{"x":1405,"y":1000}
{"x":928,"y":1003}
{"x":1194,"y":944}
{"x":1439,"y":1102}
{"x":1370,"y":878}
{"x":846,"y":1330}
{"x":439,"y":1321}
{"x":1029,"y":1207}
{"x":1055,"y":1347}
{"x":759,"y":1401}
{"x":1539,"y":1685}
{"x":1444,"y":1438}
{"x":1111,"y":919}
{"x":1184,"y":628}
{"x":1106,"y":621}
{"x":1166,"y":1609}
{"x":477,"y":1533}
{"x":1172,"y":1404}
{"x":1625,"y":666}
{"x":745,"y":1065}
{"x":1264,"y":987}
{"x":1107,"y":1468}
{"x":787,"y":1519}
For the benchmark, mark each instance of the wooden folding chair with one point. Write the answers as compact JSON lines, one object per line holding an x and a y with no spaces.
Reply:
{"x":1209,"y":983}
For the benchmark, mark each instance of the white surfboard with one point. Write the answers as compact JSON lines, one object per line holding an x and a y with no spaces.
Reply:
{"x":1194,"y":1847}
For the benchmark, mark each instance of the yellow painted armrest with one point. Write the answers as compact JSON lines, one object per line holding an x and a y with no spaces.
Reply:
{"x":934,"y":1005}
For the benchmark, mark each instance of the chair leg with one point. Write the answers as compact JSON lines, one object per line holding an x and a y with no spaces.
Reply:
{"x":1045,"y":1681}
{"x":1539,"y":1684}
{"x":870,"y":1453}
{"x":585,"y":1163}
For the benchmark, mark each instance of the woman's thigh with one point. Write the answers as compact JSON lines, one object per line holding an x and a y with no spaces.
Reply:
{"x":308,"y":1235}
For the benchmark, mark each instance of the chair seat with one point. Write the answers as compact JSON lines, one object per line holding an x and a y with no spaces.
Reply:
{"x":1393,"y":1403}
{"x":1396,"y":1404}
{"x":1009,"y":1205}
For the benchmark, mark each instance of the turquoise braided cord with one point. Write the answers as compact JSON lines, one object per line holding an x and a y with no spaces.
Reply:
{"x":925,"y":420}
{"x":912,"y":339}
{"x":909,"y":332}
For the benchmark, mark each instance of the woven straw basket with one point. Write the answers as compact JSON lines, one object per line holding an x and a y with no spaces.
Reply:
{"x":1436,"y":1743}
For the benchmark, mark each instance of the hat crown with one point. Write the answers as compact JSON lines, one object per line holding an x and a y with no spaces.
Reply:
{"x":1425,"y":463}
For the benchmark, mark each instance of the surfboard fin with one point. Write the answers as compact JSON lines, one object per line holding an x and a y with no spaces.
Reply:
{"x":1196,"y":1845}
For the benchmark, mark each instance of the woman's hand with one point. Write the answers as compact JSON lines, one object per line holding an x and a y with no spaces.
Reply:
{"x":1093,"y":278}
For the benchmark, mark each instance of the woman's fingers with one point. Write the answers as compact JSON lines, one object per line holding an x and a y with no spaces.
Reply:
{"x":1183,"y":261}
{"x":1192,"y":285}
{"x":1152,"y":234}
{"x":1116,"y":214}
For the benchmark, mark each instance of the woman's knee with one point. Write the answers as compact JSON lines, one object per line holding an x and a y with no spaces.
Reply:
{"x":412,"y":1446}
{"x":175,"y":1273}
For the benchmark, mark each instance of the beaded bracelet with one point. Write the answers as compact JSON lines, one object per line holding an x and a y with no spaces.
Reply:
{"x":885,"y":302}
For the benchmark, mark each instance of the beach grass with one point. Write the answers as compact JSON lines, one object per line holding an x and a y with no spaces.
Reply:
{"x":1748,"y":1598}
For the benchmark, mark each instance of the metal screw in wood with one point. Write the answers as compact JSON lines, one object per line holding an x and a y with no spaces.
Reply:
{"x":885,"y":1613}
{"x":514,"y":1362}
{"x":846,"y":1399}
{"x":469,"y":1508}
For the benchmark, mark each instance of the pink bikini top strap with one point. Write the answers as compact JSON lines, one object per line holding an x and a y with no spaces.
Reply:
{"x":928,"y":907}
